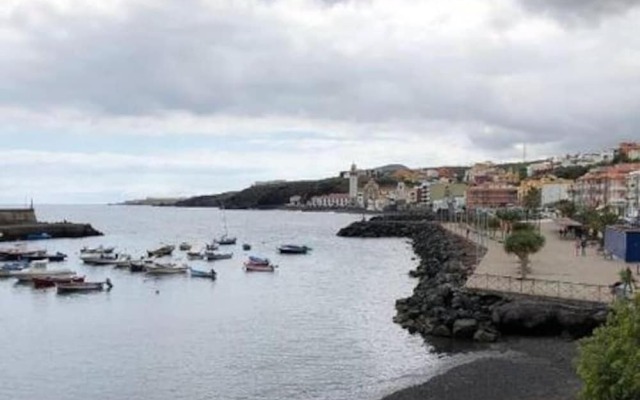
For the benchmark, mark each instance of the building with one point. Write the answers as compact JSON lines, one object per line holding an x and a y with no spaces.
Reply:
{"x":491,"y":196}
{"x":444,"y":195}
{"x":332,"y":200}
{"x":554,"y":192}
{"x":604,"y":186}
{"x":630,"y":150}
{"x":295,"y":201}
{"x":552,"y":189}
{"x":633,"y":195}
{"x":353,"y":183}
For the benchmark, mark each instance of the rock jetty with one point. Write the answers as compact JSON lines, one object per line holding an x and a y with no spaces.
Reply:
{"x":54,"y":230}
{"x":440,"y":304}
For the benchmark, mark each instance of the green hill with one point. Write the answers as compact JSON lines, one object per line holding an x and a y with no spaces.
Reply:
{"x":268,"y":195}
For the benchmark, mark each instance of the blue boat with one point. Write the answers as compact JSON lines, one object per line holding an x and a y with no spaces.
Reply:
{"x":203,"y":274}
{"x":38,"y":236}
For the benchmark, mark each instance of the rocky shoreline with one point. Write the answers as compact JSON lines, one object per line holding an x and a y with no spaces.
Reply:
{"x":440,"y":304}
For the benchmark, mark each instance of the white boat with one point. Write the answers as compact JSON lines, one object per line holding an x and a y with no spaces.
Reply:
{"x":97,"y":250}
{"x":28,"y":274}
{"x":166,"y":268}
{"x":39,"y":264}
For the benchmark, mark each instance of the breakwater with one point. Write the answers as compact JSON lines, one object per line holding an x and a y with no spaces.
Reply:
{"x":54,"y":230}
{"x":441,"y":305}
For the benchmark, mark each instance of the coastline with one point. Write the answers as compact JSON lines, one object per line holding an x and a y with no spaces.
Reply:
{"x":524,"y":369}
{"x":531,"y":355}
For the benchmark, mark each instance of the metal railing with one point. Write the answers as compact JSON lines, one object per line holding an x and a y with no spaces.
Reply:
{"x":541,"y":287}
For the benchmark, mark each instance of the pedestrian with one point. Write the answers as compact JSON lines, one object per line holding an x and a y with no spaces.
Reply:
{"x":638,"y":269}
{"x":583,"y":246}
{"x":577,"y":246}
{"x":468,"y":233}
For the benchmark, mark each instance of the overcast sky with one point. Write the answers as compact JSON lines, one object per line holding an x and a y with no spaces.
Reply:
{"x":109,"y":100}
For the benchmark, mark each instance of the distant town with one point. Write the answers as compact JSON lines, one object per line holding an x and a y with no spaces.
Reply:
{"x":608,"y":178}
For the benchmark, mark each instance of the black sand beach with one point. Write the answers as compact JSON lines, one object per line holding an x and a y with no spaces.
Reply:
{"x":527,"y":369}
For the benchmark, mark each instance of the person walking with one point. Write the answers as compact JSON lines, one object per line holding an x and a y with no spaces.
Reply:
{"x":583,"y":246}
{"x":577,"y":246}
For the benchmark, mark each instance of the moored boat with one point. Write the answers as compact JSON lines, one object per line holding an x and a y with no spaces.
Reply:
{"x":203,"y":274}
{"x":162,"y":251}
{"x":166,"y":269}
{"x":28,"y":274}
{"x":38,"y":236}
{"x":213,"y":256}
{"x":99,"y":249}
{"x":80,"y":287}
{"x":106,"y":259}
{"x":293,"y":249}
{"x":195,"y":255}
{"x":184,"y":246}
{"x":225,"y":240}
{"x":246,"y":247}
{"x":249,"y":267}
{"x":51,"y":281}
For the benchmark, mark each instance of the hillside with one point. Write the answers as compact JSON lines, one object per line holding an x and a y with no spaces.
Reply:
{"x":268,"y":196}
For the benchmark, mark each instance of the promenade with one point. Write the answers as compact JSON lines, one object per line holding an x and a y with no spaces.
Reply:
{"x":556,"y":271}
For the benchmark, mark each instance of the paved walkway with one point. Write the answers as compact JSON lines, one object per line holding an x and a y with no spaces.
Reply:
{"x":557,"y":261}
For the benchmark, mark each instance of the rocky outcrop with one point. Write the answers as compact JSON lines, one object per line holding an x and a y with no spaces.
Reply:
{"x":441,"y":306}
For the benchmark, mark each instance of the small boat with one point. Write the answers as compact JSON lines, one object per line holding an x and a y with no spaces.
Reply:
{"x":246,"y":247}
{"x":161,"y":251}
{"x":7,"y":269}
{"x":51,"y":281}
{"x":39,"y":264}
{"x":18,"y":252}
{"x":99,"y":249}
{"x":212,"y":256}
{"x":28,"y":274}
{"x":258,"y":260}
{"x":249,"y":267}
{"x":14,"y":265}
{"x":184,"y":246}
{"x":195,"y":255}
{"x":140,"y":265}
{"x":225,"y":240}
{"x":38,"y":236}
{"x":57,"y":257}
{"x":80,"y":287}
{"x":107,"y":259}
{"x":293,"y":249}
{"x":203,"y":274}
{"x":212,"y":246}
{"x":166,"y":269}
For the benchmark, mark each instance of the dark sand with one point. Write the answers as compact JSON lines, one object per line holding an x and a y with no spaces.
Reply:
{"x":527,"y":369}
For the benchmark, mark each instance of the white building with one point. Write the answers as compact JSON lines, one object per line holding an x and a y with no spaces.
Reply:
{"x":332,"y":200}
{"x":633,"y":194}
{"x":553,"y":192}
{"x":294,"y":201}
{"x":353,"y":183}
{"x":540,"y":167}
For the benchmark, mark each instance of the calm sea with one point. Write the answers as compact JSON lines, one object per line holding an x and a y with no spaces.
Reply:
{"x":320,"y":327}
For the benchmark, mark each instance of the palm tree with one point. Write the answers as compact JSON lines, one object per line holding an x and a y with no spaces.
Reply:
{"x":523,"y":243}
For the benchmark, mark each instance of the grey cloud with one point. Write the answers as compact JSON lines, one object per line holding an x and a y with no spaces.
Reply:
{"x":579,"y":12}
{"x":180,"y":55}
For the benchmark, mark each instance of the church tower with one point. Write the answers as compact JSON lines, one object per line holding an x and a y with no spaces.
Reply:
{"x":353,"y":183}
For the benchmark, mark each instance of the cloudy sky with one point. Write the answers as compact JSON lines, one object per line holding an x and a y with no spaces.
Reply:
{"x":109,"y":100}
